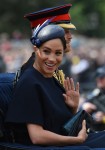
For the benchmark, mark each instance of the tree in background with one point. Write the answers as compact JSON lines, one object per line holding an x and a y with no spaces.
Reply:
{"x":88,"y":16}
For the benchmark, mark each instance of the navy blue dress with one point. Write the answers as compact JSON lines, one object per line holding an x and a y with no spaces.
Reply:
{"x":39,"y":100}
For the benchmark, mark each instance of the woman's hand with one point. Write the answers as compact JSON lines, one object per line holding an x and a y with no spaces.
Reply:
{"x":82,"y":135}
{"x":39,"y":136}
{"x":72,"y":94}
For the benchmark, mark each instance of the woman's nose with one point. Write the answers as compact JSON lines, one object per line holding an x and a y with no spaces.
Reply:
{"x":52,"y":57}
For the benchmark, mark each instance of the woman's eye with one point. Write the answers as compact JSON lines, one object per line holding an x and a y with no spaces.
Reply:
{"x":46,"y":52}
{"x":58,"y":53}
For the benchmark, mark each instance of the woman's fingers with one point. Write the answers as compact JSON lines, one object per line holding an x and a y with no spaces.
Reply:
{"x":84,"y":124}
{"x":77,"y":87}
{"x":65,"y":85}
{"x":69,"y":84}
{"x":72,"y":84}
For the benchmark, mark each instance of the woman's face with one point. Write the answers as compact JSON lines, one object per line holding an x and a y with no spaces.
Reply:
{"x":49,"y":57}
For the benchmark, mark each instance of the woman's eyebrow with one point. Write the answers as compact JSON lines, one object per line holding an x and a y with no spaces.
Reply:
{"x":47,"y":48}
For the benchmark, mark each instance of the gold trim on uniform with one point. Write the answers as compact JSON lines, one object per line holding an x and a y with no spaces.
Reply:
{"x":60,"y":76}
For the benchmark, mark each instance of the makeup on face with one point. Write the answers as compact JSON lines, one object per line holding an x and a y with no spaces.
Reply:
{"x":49,"y":57}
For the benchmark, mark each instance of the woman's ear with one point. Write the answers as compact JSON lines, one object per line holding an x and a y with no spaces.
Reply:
{"x":35,"y":49}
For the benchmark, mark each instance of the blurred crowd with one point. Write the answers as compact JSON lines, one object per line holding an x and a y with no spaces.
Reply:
{"x":86,"y":56}
{"x":14,"y":51}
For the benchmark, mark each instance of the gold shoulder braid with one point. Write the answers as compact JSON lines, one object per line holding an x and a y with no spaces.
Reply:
{"x":60,"y":76}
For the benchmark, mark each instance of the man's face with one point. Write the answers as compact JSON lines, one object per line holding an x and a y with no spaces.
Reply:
{"x":68,"y":38}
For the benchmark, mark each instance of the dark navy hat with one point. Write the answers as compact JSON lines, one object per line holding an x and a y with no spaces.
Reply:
{"x":61,"y":13}
{"x":47,"y":32}
{"x":100,"y":72}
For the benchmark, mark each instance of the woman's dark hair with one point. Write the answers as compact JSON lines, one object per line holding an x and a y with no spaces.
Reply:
{"x":29,"y":63}
{"x":63,"y":42}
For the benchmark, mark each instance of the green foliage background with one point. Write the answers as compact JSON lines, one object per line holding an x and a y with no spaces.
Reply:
{"x":87,"y":15}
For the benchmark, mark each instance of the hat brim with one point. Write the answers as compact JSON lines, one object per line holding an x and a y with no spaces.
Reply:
{"x":68,"y":26}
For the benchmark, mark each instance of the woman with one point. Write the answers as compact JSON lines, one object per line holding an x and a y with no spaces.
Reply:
{"x":58,"y":74}
{"x":41,"y":105}
{"x":41,"y":16}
